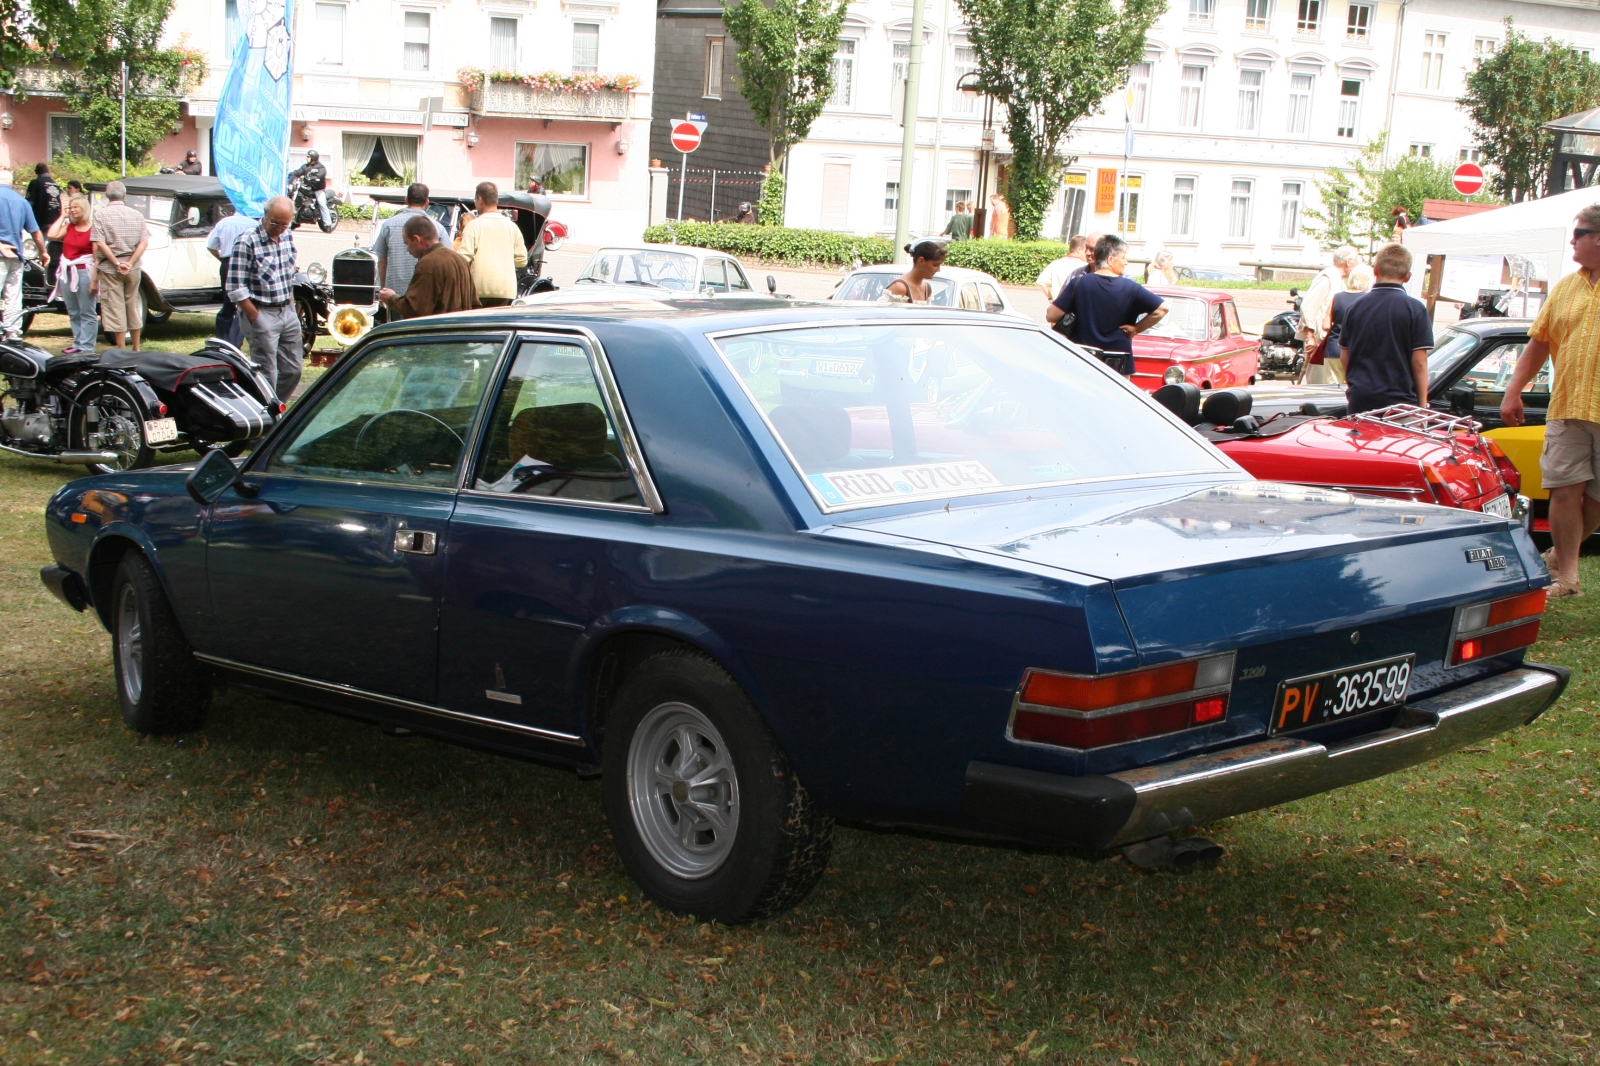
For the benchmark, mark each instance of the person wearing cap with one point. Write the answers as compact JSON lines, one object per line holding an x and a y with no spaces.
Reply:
{"x":191,"y":164}
{"x":315,"y":177}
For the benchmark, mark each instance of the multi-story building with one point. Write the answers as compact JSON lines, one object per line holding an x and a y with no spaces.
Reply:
{"x":389,"y":91}
{"x":1237,"y":109}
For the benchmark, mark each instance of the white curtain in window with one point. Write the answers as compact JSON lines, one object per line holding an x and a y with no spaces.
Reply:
{"x":561,"y":167}
{"x":503,"y":43}
{"x":357,"y":154}
{"x":402,"y":153}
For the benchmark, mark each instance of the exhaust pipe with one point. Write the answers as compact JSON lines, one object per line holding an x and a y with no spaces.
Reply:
{"x":84,"y":457}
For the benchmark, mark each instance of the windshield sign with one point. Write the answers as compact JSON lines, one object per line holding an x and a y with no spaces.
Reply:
{"x":639,"y":266}
{"x":877,"y":414}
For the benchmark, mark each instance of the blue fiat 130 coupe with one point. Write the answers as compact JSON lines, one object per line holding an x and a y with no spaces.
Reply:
{"x":764,"y":565}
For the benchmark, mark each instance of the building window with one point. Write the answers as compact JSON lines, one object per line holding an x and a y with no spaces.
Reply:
{"x":503,"y":44}
{"x":585,"y":47}
{"x":1202,"y":12}
{"x":891,"y":200}
{"x":953,"y":195}
{"x":966,"y":61}
{"x":844,"y":73}
{"x":1358,"y":24}
{"x":1484,"y":47}
{"x":563,"y":169}
{"x":66,"y":136}
{"x":1349,"y":106}
{"x":1424,"y":150}
{"x":1183,"y":207}
{"x":1289,"y":214}
{"x":1128,"y":208}
{"x":1191,"y":96}
{"x":1587,"y":53}
{"x":1309,"y":21}
{"x":329,"y":42}
{"x":1470,"y":155}
{"x":418,"y":30}
{"x":1139,"y":90}
{"x":1299,"y":102}
{"x":1074,"y":197}
{"x":1250,"y":82}
{"x":230,"y":15}
{"x":1432,"y":60}
{"x":714,"y":50}
{"x":1258,"y":15}
{"x":1239,"y":209}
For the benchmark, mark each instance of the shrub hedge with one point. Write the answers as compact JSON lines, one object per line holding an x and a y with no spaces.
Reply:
{"x":1018,"y":262}
{"x":774,"y":243}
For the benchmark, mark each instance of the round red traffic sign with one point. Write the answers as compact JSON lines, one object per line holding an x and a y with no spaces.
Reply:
{"x":685,"y":136}
{"x":1468,"y":178}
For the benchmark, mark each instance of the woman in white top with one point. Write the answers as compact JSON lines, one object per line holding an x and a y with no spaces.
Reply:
{"x":1161,"y":270}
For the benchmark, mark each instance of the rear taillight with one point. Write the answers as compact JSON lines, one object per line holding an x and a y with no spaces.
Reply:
{"x":1443,"y":491}
{"x":1095,"y":711}
{"x":1502,"y":462}
{"x":1484,"y":630}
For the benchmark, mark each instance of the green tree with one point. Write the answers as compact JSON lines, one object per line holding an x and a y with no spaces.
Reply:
{"x":770,"y":210}
{"x":1357,"y":207}
{"x":88,"y":41}
{"x":1512,"y":94}
{"x":15,"y":44}
{"x":1052,"y":63}
{"x":785,"y":63}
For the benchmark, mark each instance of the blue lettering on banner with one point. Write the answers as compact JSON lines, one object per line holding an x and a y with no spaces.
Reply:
{"x":251,"y":143}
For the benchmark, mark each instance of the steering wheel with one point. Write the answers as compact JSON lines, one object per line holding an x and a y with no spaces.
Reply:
{"x":375,"y":419}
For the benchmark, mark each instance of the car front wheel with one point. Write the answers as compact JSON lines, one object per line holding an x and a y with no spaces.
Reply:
{"x":707,"y":814}
{"x":160,"y":685}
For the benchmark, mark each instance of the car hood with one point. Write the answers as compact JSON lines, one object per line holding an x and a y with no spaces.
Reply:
{"x":1236,"y":564}
{"x":1148,"y":347}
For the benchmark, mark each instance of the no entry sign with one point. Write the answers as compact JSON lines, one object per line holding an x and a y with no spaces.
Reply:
{"x":1468,"y":178}
{"x":686,"y":135}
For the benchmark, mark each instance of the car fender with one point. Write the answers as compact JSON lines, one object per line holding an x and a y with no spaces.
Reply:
{"x":151,"y":292}
{"x":109,"y":543}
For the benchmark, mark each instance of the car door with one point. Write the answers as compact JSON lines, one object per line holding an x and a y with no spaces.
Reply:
{"x":558,"y":481}
{"x":716,"y":279}
{"x":1489,"y":372}
{"x":738,"y":284}
{"x":330,"y":562}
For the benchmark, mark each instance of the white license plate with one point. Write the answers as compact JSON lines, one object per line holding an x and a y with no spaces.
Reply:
{"x":160,"y":430}
{"x":1499,"y":506}
{"x":844,"y":368}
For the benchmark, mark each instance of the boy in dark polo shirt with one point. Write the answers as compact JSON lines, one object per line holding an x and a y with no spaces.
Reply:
{"x":1386,"y":338}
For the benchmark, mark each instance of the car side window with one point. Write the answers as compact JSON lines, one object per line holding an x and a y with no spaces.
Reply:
{"x":737,"y":282}
{"x":1492,"y":372}
{"x":991,"y":297}
{"x":969,"y":298}
{"x":401,"y":415}
{"x":1217,"y":329}
{"x":550,"y":434}
{"x":715,"y":279}
{"x":1230,"y":315}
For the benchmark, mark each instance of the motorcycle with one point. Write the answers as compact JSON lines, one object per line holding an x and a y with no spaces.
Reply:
{"x":305,"y":207}
{"x":1491,"y":303}
{"x":1282,"y":354}
{"x":115,"y":410}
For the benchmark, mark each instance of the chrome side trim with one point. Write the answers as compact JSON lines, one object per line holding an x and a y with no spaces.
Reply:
{"x":391,"y":701}
{"x":1207,"y":787}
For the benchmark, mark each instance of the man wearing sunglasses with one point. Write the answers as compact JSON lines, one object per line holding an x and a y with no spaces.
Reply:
{"x":1567,"y":332}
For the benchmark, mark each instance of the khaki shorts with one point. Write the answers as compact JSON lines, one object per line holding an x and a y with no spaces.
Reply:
{"x":1571,"y":454}
{"x":120,"y":307}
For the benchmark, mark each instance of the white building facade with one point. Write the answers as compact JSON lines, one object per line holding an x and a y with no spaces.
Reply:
{"x":1237,"y":109}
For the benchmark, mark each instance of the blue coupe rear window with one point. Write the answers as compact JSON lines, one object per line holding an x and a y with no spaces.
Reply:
{"x":874,"y":414}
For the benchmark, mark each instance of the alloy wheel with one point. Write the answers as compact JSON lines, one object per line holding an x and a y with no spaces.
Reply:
{"x":683,"y":790}
{"x":130,"y":645}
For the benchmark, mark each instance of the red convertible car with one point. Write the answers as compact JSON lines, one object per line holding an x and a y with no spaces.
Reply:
{"x":1199,"y":341}
{"x":1402,"y":452}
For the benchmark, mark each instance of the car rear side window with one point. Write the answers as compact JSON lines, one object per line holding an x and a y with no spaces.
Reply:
{"x":401,"y":415}
{"x":715,"y":280}
{"x":991,"y":297}
{"x":869,"y":287}
{"x":551,"y":435}
{"x":1230,"y":313}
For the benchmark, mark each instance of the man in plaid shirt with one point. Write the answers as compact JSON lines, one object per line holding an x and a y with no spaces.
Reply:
{"x":261,"y":283}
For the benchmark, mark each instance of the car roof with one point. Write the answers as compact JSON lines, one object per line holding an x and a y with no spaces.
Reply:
{"x":523,"y":200}
{"x":1493,"y":327}
{"x":698,"y":253}
{"x":198,"y":186}
{"x":951,"y":273}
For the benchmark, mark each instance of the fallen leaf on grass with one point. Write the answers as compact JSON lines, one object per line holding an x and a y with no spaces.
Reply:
{"x":398,"y":1041}
{"x":422,"y":978}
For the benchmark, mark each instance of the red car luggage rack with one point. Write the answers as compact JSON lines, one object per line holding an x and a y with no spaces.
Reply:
{"x":1430,"y":423}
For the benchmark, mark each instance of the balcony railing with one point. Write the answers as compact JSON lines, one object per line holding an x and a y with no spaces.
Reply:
{"x":43,"y":80}
{"x":499,"y":99}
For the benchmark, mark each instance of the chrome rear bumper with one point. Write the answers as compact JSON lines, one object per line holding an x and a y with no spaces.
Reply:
{"x":1096,"y":811}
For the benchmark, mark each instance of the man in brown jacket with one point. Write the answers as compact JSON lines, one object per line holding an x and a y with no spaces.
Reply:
{"x":443,"y":280}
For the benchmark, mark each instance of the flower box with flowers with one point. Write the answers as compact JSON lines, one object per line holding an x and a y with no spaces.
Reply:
{"x":550,"y":94}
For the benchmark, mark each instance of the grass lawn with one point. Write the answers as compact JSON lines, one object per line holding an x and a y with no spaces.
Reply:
{"x":287,"y":886}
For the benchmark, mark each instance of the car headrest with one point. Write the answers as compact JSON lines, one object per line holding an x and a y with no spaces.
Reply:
{"x":1223,"y":406}
{"x":815,"y":433}
{"x":1182,"y":399}
{"x":563,"y":434}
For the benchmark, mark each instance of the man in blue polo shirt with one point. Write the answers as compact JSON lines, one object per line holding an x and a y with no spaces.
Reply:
{"x":1109,"y":310}
{"x":1386,"y":338}
{"x":17,"y":224}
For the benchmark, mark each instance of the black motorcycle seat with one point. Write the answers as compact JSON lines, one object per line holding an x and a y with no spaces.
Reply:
{"x":61,"y":366}
{"x":168,"y":371}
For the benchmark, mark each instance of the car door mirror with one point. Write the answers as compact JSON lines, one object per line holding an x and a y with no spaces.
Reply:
{"x":1463,"y":399}
{"x":211,"y":477}
{"x":772,"y":285}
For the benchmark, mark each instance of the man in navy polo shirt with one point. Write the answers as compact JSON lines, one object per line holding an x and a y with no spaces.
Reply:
{"x":1386,"y":338}
{"x":1110,"y":309}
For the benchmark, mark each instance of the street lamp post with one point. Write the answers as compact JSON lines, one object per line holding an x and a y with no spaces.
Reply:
{"x":971,"y":89}
{"x":908,"y":139}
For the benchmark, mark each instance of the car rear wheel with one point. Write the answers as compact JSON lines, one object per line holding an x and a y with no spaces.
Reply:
{"x":161,"y":687}
{"x":706,"y":812}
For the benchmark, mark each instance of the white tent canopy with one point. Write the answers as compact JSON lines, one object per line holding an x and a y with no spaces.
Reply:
{"x":1535,"y":228}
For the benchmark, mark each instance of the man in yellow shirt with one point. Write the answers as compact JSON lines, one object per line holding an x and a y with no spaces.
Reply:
{"x":1567,"y":332}
{"x":493,"y":245}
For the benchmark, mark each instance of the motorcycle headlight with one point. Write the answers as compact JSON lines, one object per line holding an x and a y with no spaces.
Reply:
{"x":317,"y":273}
{"x":1173,"y":375}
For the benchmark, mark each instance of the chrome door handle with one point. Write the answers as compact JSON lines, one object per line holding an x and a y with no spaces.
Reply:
{"x":415,"y":541}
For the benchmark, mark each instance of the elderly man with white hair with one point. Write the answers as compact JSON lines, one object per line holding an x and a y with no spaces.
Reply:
{"x":1316,"y":313}
{"x":261,"y":285}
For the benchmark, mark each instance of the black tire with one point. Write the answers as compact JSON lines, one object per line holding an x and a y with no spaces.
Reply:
{"x":777,"y":847}
{"x":327,"y":229}
{"x":161,"y":686}
{"x":153,"y":317}
{"x":119,"y":427}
